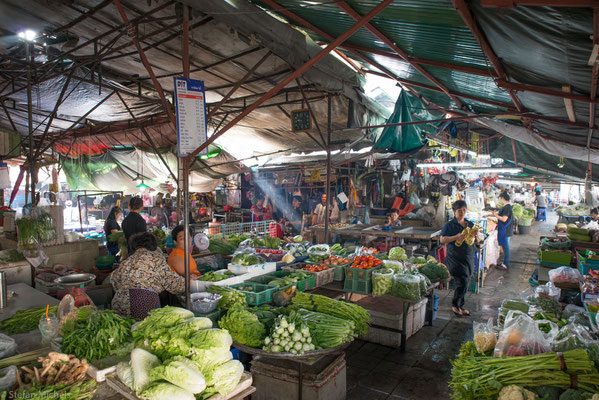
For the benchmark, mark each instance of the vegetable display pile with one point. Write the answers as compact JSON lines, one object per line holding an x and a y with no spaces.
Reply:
{"x":95,"y":335}
{"x":336,"y":260}
{"x":482,"y":377}
{"x":75,"y":391}
{"x":179,"y":356}
{"x":234,"y":239}
{"x":326,"y":331}
{"x":290,"y":335}
{"x":27,"y":233}
{"x":229,"y":298}
{"x":398,"y":254}
{"x":346,"y":311}
{"x":244,"y":326}
{"x":24,"y":320}
{"x":247,"y":259}
{"x":434,"y":270}
{"x":212,"y":276}
{"x":315,"y":268}
{"x":382,"y":281}
{"x":290,"y":279}
{"x":272,"y":242}
{"x":319,"y":253}
{"x":221,"y":246}
{"x":365,"y":262}
{"x":56,"y":369}
{"x":406,"y":286}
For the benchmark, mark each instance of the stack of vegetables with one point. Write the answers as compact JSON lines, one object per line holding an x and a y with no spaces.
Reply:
{"x":433,"y":270}
{"x":536,"y":351}
{"x":178,"y":356}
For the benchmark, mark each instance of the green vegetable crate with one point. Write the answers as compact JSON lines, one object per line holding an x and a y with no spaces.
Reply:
{"x":555,"y":257}
{"x":584,"y":267}
{"x":260,"y":294}
{"x":302,"y":285}
{"x":321,"y":278}
{"x":339,"y":273}
{"x":358,"y":280}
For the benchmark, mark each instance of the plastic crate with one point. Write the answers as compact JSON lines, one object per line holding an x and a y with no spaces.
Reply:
{"x":302,"y":285}
{"x":581,"y":258}
{"x":360,"y":286}
{"x":339,"y":273}
{"x":321,"y":277}
{"x":584,"y":267}
{"x":555,"y":257}
{"x":357,"y":273}
{"x":260,"y":294}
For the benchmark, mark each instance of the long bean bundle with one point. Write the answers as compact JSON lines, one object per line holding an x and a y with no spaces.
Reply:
{"x":327,"y":331}
{"x":483,"y":377}
{"x":24,"y":320}
{"x":340,"y":309}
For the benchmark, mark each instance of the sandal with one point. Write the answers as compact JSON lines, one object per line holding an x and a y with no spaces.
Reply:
{"x":465,"y":312}
{"x":457,"y":313}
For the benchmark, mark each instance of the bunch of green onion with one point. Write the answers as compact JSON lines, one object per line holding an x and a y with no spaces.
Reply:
{"x":327,"y":331}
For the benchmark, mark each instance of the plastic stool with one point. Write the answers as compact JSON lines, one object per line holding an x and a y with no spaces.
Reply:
{"x":541,"y":214}
{"x":142,"y":301}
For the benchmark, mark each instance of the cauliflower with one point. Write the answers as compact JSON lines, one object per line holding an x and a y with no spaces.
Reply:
{"x":514,"y":392}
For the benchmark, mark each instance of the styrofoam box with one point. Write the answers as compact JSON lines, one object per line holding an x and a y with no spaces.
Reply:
{"x":202,"y":286}
{"x":253,"y":270}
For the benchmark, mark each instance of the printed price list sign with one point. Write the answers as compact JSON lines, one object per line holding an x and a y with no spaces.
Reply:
{"x":190,"y":103}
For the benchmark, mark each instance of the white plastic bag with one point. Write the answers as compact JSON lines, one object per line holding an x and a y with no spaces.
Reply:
{"x":8,"y":377}
{"x":564,"y":275}
{"x":484,"y":336}
{"x":521,"y":337}
{"x":8,"y":346}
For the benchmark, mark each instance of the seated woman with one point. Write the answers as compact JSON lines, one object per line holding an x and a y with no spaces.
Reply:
{"x":144,"y":269}
{"x":176,"y":260}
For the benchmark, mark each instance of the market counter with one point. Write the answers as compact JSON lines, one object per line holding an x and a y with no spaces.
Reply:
{"x":81,"y":254}
{"x":26,"y":297}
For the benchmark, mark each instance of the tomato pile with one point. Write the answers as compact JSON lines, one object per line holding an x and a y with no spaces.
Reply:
{"x":269,"y":251}
{"x":366,"y":262}
{"x":335,"y":260}
{"x":315,"y":268}
{"x":370,"y":250}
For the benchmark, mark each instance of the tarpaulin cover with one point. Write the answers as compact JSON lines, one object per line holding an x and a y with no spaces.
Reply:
{"x":406,"y":138}
{"x":116,"y":169}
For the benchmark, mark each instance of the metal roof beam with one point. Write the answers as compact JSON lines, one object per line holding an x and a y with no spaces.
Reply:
{"x":421,"y":61}
{"x":344,"y":36}
{"x":464,"y":12}
{"x":594,"y":76}
{"x":436,"y":89}
{"x":352,"y":13}
{"x":549,"y":92}
{"x":538,"y":3}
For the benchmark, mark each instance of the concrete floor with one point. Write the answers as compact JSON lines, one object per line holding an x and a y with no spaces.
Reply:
{"x":377,"y":372}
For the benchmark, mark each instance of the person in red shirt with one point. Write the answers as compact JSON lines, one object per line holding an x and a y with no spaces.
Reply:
{"x":260,"y":211}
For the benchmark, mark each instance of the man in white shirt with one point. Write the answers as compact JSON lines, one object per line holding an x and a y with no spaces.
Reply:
{"x":320,"y":211}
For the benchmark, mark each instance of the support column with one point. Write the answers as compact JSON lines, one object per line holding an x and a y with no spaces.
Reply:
{"x":328,"y":187}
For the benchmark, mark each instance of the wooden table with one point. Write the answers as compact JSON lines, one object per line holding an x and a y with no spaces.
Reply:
{"x":405,"y":304}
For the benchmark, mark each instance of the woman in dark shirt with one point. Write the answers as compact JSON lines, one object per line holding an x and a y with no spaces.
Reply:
{"x":460,"y":259}
{"x":504,"y":228}
{"x":112,"y":226}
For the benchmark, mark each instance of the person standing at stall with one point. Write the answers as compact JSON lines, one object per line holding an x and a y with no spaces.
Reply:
{"x":505,"y":228}
{"x":133,"y":222}
{"x":260,"y":210}
{"x":111,"y":225}
{"x":460,"y":255}
{"x":541,"y":202}
{"x":320,"y":211}
{"x":296,"y":216}
{"x":176,"y":260}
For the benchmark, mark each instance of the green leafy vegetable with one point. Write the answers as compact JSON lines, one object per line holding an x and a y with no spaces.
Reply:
{"x":24,"y":320}
{"x":166,"y":391}
{"x":142,"y":363}
{"x":229,"y":297}
{"x":244,"y":327}
{"x":181,"y":372}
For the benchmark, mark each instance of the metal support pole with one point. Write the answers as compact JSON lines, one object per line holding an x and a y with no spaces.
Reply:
{"x":30,"y":121}
{"x":186,"y":229}
{"x":328,"y":188}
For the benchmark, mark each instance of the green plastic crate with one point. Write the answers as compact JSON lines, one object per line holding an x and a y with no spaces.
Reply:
{"x":260,"y":294}
{"x":358,"y":286}
{"x":214,"y":316}
{"x":302,"y":285}
{"x":555,"y":257}
{"x":339,"y":273}
{"x":358,"y":274}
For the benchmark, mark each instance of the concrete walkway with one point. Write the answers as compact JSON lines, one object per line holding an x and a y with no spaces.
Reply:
{"x":377,"y":372}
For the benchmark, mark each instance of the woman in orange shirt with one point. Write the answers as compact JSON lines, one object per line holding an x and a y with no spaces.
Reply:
{"x":176,"y":259}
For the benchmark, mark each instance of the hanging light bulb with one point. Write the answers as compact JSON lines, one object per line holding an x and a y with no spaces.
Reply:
{"x":561,"y":163}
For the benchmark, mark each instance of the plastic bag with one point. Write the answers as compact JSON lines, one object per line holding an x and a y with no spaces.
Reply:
{"x":424,"y":283}
{"x":571,"y":310}
{"x":484,"y":336}
{"x":549,"y":329}
{"x":521,"y":337}
{"x":319,"y":252}
{"x":396,"y":266}
{"x":510,"y":304}
{"x":8,"y":377}
{"x":8,"y":346}
{"x":363,"y":251}
{"x":564,"y":275}
{"x":511,"y":315}
{"x":406,"y":287}
{"x":548,"y":290}
{"x":573,"y":336}
{"x":382,"y":281}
